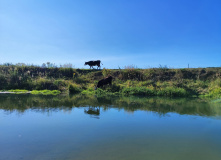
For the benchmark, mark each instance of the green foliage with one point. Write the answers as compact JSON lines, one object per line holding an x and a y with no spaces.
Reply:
{"x":3,"y":82}
{"x":46,"y":92}
{"x":42,"y":83}
{"x":106,"y":72}
{"x":100,"y":91}
{"x":81,"y":80}
{"x":172,"y":92}
{"x":89,"y":91}
{"x":113,"y":88}
{"x":74,"y":88}
{"x":66,"y":72}
{"x":215,"y":83}
{"x":131,"y":73}
{"x":138,"y":91}
{"x":160,"y":81}
{"x":215,"y":89}
{"x":149,"y":73}
{"x":215,"y":93}
{"x":61,"y":84}
{"x":18,"y":91}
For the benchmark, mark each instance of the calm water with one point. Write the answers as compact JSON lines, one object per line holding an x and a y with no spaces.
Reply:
{"x":108,"y":128}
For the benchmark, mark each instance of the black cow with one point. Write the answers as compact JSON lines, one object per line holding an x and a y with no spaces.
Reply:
{"x":105,"y":81}
{"x":94,"y":63}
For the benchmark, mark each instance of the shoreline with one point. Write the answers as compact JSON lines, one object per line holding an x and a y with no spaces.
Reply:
{"x":15,"y":92}
{"x":42,"y":92}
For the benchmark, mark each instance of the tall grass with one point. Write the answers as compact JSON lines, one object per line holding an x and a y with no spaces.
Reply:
{"x":131,"y":80}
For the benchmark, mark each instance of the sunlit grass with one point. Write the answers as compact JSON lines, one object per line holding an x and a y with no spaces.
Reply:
{"x":18,"y":91}
{"x":46,"y":92}
{"x":161,"y":81}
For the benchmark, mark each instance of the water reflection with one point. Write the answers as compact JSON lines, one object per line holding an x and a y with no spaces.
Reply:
{"x":93,"y":104}
{"x":93,"y":111}
{"x":154,"y":129}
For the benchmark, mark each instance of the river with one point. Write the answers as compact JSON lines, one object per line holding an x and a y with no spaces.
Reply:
{"x":78,"y":127}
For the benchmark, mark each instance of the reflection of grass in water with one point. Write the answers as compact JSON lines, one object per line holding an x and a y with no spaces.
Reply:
{"x":161,"y":106}
{"x":217,"y":101}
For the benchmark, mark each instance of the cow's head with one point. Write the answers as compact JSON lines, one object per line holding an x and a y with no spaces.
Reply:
{"x":85,"y":63}
{"x":110,"y":77}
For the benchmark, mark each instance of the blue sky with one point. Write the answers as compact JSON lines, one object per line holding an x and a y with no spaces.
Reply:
{"x":143,"y":33}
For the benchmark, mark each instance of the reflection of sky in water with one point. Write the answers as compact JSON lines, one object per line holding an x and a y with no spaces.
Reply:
{"x":117,"y":134}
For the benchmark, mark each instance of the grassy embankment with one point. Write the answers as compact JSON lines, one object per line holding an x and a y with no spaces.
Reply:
{"x":160,"y":81}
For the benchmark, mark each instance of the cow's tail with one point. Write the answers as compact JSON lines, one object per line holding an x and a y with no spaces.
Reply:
{"x":101,"y":63}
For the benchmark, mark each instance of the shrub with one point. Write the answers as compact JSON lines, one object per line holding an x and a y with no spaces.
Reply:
{"x":42,"y":83}
{"x":216,"y":93}
{"x":106,"y":72}
{"x":113,"y":88}
{"x":60,"y":84}
{"x":74,"y":88}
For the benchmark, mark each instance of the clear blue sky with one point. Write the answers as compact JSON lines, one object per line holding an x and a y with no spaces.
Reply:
{"x":143,"y":33}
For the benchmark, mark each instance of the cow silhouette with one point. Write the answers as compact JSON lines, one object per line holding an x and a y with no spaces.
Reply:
{"x":105,"y":81}
{"x":93,"y":63}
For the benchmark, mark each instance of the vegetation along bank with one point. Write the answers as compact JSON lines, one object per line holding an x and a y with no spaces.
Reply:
{"x":160,"y":81}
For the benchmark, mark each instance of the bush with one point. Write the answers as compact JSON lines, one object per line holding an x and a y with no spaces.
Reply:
{"x":106,"y":72}
{"x":60,"y":84}
{"x":74,"y":88}
{"x":215,"y":93}
{"x":42,"y":84}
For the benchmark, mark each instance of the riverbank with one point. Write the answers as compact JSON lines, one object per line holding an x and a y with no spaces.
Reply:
{"x":42,"y":92}
{"x":162,"y":81}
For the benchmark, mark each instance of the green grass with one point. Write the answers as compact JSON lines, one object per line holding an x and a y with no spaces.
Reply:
{"x":142,"y":91}
{"x":139,"y":91}
{"x":214,"y":93}
{"x":18,"y":91}
{"x":46,"y":92}
{"x":43,"y":92}
{"x":173,"y":92}
{"x":161,"y":81}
